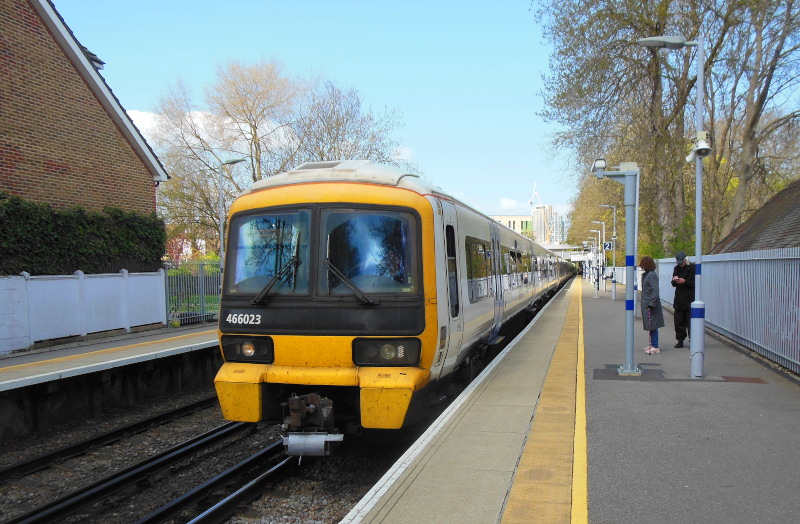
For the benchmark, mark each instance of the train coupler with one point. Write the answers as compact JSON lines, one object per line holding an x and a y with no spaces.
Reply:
{"x":308,"y":428}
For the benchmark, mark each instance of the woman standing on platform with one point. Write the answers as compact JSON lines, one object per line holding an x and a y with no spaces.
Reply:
{"x":652,"y":314}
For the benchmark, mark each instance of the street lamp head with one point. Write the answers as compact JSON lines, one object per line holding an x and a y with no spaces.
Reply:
{"x":670,"y":42}
{"x":234,"y":161}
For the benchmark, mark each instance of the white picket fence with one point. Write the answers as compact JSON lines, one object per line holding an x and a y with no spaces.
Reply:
{"x":36,"y":308}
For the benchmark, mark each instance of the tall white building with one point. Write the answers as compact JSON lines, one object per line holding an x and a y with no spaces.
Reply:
{"x":542,"y":216}
{"x":559,"y":228}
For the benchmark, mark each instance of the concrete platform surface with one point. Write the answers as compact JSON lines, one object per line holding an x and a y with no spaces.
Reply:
{"x":662,"y":447}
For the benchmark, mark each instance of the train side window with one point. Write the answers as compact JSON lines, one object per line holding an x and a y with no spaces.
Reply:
{"x":479,"y":269}
{"x":452,"y":270}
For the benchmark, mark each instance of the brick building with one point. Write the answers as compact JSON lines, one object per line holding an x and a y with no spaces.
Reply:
{"x":65,"y":140}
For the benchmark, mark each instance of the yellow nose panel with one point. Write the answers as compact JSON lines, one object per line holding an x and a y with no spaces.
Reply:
{"x":383,"y":408}
{"x":240,"y":401}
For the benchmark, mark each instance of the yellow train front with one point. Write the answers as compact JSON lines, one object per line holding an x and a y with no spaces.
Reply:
{"x":353,"y":293}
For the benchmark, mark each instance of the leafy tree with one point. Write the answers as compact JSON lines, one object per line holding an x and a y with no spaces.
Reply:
{"x":636,"y":104}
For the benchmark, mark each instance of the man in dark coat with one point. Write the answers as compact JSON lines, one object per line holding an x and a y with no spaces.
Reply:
{"x":683,"y":282}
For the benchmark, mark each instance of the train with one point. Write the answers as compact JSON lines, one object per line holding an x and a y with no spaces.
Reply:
{"x":356,"y":295}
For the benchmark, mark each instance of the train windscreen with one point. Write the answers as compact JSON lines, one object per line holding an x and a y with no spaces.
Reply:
{"x":269,"y":250}
{"x":374,"y":250}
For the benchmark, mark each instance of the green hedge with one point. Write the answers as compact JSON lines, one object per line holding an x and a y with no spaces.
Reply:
{"x":43,"y":241}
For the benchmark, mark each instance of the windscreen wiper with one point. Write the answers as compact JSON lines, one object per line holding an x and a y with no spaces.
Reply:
{"x":336,"y":271}
{"x":354,"y":288}
{"x":261,"y":298}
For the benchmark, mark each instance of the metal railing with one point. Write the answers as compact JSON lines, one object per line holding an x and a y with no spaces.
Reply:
{"x":751,"y":297}
{"x":192,"y":291}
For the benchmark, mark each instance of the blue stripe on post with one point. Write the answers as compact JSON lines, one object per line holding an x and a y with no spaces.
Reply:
{"x":629,"y":261}
{"x":697,"y":269}
{"x":698,"y":312}
{"x":629,"y":305}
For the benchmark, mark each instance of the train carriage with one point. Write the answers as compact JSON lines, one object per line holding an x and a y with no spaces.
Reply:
{"x":354,"y":294}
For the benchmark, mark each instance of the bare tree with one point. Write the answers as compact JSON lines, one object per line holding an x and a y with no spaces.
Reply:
{"x":336,"y":126}
{"x":759,"y":73}
{"x":258,"y":113}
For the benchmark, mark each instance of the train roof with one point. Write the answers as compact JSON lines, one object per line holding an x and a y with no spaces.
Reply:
{"x":364,"y":172}
{"x":359,"y":171}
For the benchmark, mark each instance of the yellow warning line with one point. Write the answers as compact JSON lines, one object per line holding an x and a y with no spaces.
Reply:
{"x":103,"y":351}
{"x":580,"y":463}
{"x":550,"y":481}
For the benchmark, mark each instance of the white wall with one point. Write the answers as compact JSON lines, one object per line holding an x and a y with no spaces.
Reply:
{"x":48,"y":307}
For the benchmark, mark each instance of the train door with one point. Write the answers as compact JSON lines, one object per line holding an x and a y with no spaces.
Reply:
{"x":454,"y":327}
{"x":499,"y":301}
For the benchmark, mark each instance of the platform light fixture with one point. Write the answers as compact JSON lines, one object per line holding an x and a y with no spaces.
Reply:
{"x":702,"y":148}
{"x":603,"y":249}
{"x":613,"y":250}
{"x":598,"y":264}
{"x":627,"y":174}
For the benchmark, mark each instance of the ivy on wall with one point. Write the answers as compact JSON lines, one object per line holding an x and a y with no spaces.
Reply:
{"x":43,"y":241}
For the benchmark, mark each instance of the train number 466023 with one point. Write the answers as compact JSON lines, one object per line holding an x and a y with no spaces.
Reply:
{"x":243,"y":318}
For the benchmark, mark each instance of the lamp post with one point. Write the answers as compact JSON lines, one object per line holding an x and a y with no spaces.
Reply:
{"x":613,"y":251}
{"x":597,"y":265}
{"x":701,"y":150}
{"x":627,"y":174}
{"x":603,"y":269}
{"x":591,"y":255}
{"x":222,"y":210}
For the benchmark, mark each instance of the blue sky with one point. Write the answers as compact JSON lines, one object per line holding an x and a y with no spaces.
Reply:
{"x":465,"y":75}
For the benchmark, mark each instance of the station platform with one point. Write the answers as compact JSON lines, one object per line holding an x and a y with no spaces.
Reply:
{"x":551,"y":433}
{"x":26,"y":368}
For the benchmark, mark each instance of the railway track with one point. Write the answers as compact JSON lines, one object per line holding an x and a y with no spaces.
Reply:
{"x":72,"y":450}
{"x":227,"y":506}
{"x":91,"y":494}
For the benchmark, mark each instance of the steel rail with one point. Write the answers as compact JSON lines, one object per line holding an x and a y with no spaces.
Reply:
{"x":200,"y":492}
{"x":47,"y":459}
{"x":72,"y":502}
{"x":225,"y":508}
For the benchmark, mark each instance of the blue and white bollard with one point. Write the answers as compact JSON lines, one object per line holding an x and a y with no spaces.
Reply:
{"x":697,"y":343}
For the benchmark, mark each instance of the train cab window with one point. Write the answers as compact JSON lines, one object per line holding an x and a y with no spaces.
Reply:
{"x":452,"y":270}
{"x":268,"y":249}
{"x":375,"y":250}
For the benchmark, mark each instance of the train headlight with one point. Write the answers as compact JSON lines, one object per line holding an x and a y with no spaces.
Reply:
{"x":386,"y":352}
{"x":389,"y":351}
{"x":248,"y":349}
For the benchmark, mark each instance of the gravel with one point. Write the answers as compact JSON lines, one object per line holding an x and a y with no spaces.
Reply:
{"x":323,"y":490}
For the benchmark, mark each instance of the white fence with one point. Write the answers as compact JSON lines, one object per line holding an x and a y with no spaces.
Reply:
{"x":50,"y":307}
{"x":751,"y":297}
